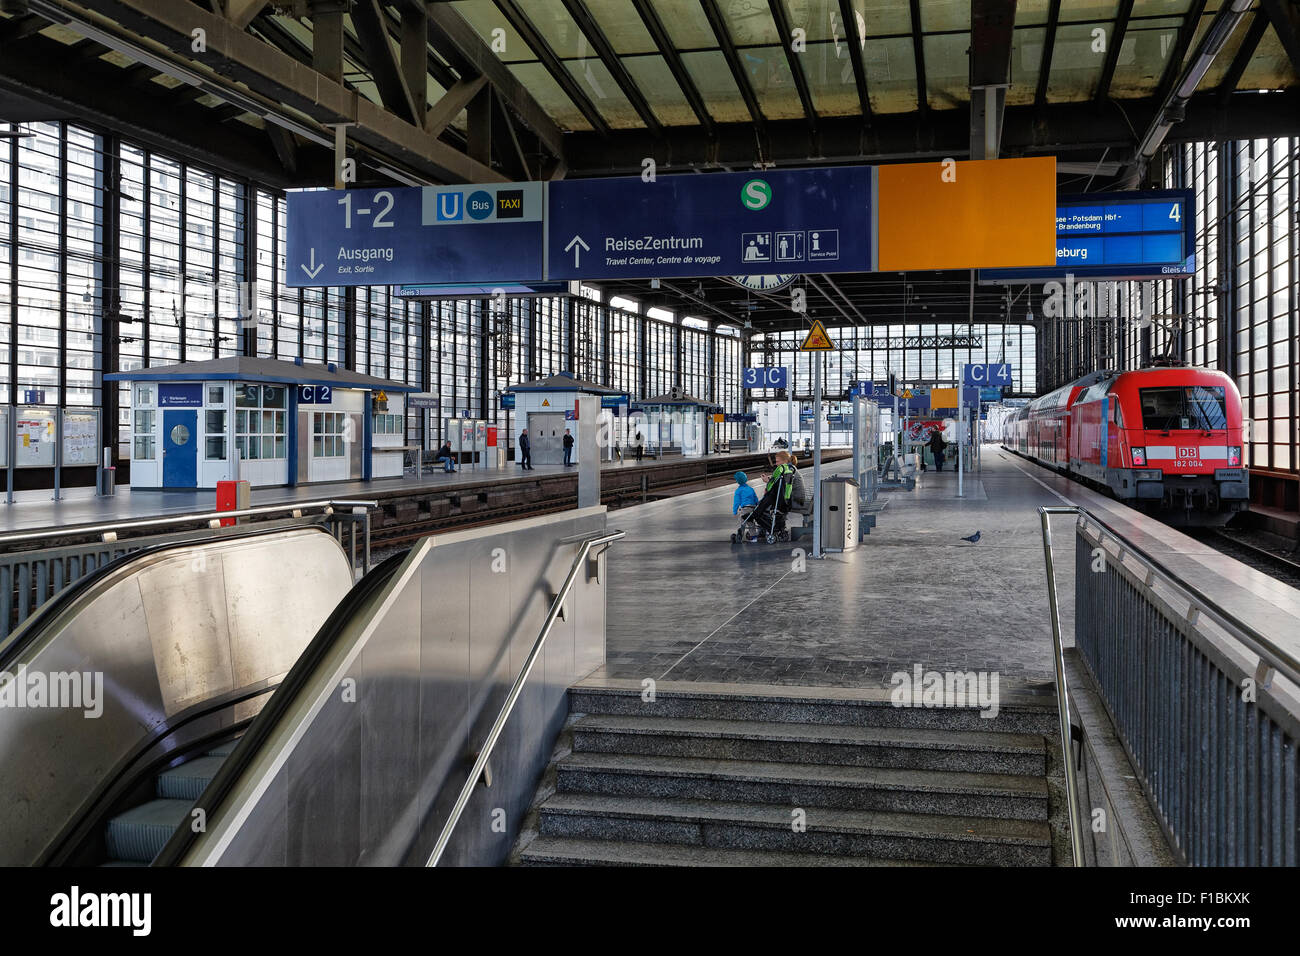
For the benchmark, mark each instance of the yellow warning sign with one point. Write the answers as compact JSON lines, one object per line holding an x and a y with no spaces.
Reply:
{"x":817,"y":340}
{"x":546,"y":403}
{"x":907,"y":393}
{"x":382,"y":396}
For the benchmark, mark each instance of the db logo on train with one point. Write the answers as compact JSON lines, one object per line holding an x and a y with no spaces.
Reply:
{"x":1189,"y":455}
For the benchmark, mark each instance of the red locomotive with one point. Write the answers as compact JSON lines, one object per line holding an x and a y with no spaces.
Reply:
{"x":1164,"y":439}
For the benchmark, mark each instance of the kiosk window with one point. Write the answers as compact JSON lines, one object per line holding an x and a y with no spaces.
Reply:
{"x":215,"y":441}
{"x":260,"y":430}
{"x":328,"y":434}
{"x":143,"y":426}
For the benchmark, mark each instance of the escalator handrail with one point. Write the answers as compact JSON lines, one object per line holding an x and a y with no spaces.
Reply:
{"x":281,"y":702}
{"x":31,"y":629}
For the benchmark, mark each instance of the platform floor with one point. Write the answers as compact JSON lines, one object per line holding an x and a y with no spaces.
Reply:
{"x":33,"y":510}
{"x":684,"y":604}
{"x":687,"y":604}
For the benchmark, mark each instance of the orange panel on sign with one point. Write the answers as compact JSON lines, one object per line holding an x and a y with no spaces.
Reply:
{"x":985,"y":214}
{"x":943,"y":398}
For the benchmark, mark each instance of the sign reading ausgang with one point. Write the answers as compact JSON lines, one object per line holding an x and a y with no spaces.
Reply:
{"x":779,"y":221}
{"x":479,"y":234}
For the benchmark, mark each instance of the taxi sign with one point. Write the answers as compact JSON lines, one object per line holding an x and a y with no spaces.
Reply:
{"x":817,"y":339}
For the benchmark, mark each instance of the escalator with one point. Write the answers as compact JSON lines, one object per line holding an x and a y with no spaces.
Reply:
{"x":148,"y":668}
{"x":135,"y":836}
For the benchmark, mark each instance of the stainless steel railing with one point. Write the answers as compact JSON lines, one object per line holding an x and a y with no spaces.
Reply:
{"x":1062,"y":690}
{"x":498,"y":725}
{"x":31,"y":577}
{"x":1195,"y":697}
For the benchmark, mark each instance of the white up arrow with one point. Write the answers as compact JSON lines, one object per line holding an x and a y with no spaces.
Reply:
{"x":578,"y":246}
{"x":315,"y":269}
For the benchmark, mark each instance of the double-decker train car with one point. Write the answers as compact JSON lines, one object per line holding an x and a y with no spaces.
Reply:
{"x":1168,"y":440}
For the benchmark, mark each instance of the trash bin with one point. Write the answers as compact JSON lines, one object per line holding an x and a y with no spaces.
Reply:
{"x":107,"y":481}
{"x":839,"y":517}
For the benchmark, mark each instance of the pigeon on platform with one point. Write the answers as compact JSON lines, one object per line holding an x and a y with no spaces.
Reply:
{"x":973,"y":539}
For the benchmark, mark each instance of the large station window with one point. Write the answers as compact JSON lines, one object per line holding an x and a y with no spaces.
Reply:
{"x":261,"y":421}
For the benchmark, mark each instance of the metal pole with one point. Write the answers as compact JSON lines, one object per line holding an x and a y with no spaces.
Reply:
{"x":961,"y":438}
{"x":1062,"y":691}
{"x":817,"y":455}
{"x":789,"y":416}
{"x":12,"y":440}
{"x":58,"y":451}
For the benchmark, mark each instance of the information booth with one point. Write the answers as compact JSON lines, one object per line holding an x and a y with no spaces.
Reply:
{"x":546,"y":407}
{"x":262,"y":420}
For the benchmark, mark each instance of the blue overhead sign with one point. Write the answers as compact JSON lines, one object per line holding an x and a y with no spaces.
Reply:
{"x":751,"y":223}
{"x":463,"y":234}
{"x":765,"y":377}
{"x":987,"y":375}
{"x":1123,"y":235}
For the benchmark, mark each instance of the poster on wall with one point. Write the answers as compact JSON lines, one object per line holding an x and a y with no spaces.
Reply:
{"x":80,"y":436}
{"x":34,"y":447}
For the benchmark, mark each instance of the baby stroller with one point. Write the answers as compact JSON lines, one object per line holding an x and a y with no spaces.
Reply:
{"x":767,"y":519}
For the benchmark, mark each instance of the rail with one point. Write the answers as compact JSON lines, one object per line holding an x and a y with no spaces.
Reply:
{"x":29,"y":578}
{"x":484,"y":754}
{"x":1205,"y":725}
{"x":1062,"y":690}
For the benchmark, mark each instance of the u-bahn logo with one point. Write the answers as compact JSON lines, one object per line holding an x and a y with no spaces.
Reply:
{"x":449,"y":207}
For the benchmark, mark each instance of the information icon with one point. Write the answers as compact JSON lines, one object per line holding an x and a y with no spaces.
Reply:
{"x":823,"y":244}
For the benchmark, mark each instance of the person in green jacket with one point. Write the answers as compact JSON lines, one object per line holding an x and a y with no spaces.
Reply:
{"x":778,"y":492}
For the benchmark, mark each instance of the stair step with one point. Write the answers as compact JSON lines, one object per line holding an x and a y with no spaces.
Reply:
{"x":901,"y":747}
{"x":225,"y":750}
{"x":1005,"y":796}
{"x":558,"y":851}
{"x":190,"y":779}
{"x":141,"y":832}
{"x":1017,"y":713}
{"x":927,"y":838}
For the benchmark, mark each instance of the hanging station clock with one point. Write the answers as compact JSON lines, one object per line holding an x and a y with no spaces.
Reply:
{"x":769,"y":283}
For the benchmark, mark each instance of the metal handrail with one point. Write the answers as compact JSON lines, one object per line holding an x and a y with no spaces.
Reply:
{"x":114,"y":528}
{"x":1278,"y":658}
{"x":1062,"y":691}
{"x":499,"y":724}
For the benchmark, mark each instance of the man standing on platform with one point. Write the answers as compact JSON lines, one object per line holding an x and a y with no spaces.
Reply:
{"x":568,"y":448}
{"x":525,"y":451}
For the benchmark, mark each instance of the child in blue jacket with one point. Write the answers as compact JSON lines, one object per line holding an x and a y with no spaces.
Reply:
{"x":745,"y":496}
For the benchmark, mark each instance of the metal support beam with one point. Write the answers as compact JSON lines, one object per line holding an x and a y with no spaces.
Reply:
{"x":480,"y":126}
{"x":327,"y":44}
{"x":1285,"y":18}
{"x":456,"y":99}
{"x":668,"y":50}
{"x":241,"y":13}
{"x":605,"y":50}
{"x":559,"y":72}
{"x":415,"y":62}
{"x":854,"y":40}
{"x":738,"y":72}
{"x":786,"y":33}
{"x":1045,"y":64}
{"x":1112,"y":51}
{"x":918,"y":53}
{"x":388,"y":73}
{"x":234,"y":57}
{"x":1245,"y":52}
{"x":462,"y":47}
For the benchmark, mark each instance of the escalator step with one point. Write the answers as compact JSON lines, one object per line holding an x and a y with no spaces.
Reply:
{"x":190,"y":779}
{"x":224,"y":750}
{"x":141,"y":832}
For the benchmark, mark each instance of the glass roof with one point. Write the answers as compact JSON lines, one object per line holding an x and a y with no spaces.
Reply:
{"x":882,"y":34}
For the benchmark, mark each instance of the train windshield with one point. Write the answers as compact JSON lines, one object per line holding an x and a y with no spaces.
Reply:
{"x":1184,"y":406}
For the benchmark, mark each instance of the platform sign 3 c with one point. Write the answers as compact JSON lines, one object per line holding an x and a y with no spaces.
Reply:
{"x":766,"y":377}
{"x":817,"y":339}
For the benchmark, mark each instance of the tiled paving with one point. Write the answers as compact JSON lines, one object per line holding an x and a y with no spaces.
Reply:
{"x":685,"y":604}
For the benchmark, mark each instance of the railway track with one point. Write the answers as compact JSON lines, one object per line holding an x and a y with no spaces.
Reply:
{"x":1236,"y":545}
